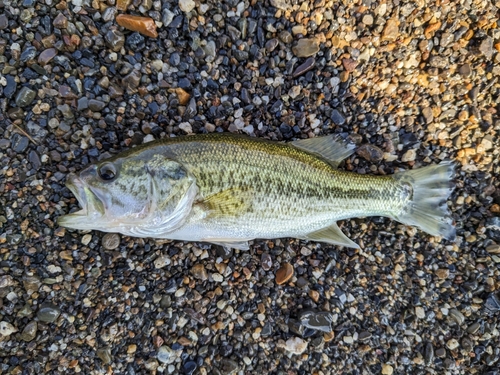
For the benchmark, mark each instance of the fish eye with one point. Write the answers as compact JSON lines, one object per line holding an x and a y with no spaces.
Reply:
{"x":107,"y":171}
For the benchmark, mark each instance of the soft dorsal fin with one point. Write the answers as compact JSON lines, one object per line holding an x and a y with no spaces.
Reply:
{"x":228,"y":202}
{"x":331,"y":147}
{"x":332,"y":235}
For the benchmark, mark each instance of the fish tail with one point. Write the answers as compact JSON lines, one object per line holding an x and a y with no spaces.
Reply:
{"x":431,"y":186}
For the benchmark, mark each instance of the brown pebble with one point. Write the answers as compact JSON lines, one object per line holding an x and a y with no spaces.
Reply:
{"x":46,"y":56}
{"x":199,"y":272}
{"x":183,"y":96}
{"x":349,"y":64}
{"x":284,"y":274}
{"x":122,"y":4}
{"x":131,"y":349}
{"x":442,"y":273}
{"x":329,"y":336}
{"x":314,"y":295}
{"x":60,"y":22}
{"x":143,"y":25}
{"x":495,"y":208}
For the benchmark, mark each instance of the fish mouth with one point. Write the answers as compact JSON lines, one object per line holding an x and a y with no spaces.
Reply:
{"x":91,"y":210}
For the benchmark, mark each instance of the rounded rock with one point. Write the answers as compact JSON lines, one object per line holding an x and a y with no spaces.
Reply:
{"x":110,"y":241}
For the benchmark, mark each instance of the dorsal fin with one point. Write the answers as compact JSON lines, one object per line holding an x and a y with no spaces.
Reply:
{"x":331,"y":147}
{"x":332,"y":235}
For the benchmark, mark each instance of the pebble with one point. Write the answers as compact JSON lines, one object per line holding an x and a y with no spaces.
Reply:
{"x":370,"y":152}
{"x":143,"y":25}
{"x":306,"y":47}
{"x":96,"y":105}
{"x":4,"y":22}
{"x":48,"y":313}
{"x":486,"y":47}
{"x":284,"y":273}
{"x":304,"y":67}
{"x":6,"y":329}
{"x":391,"y":30}
{"x":409,"y":155}
{"x":25,"y":97}
{"x":29,"y":332}
{"x":317,"y":320}
{"x":387,"y":369}
{"x":199,"y":272}
{"x":166,"y":354}
{"x":111,"y":241}
{"x":420,"y":312}
{"x":19,"y":143}
{"x":296,"y":345}
{"x":104,"y":355}
{"x":337,"y":118}
{"x":60,"y":22}
{"x":187,"y":5}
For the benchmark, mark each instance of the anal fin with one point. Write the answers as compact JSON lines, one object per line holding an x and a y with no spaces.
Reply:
{"x":332,"y":235}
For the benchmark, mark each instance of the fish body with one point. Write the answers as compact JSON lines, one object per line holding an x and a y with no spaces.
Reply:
{"x":228,"y":189}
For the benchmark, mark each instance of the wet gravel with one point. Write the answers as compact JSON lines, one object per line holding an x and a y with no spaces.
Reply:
{"x":413,"y":82}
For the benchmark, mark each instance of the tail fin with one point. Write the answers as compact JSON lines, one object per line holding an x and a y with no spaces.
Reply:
{"x":427,"y":210}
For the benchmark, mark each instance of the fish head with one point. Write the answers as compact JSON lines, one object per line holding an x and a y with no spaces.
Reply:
{"x":124,"y":194}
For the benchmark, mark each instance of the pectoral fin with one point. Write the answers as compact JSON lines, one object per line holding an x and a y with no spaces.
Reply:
{"x":332,"y":147}
{"x":332,"y":235}
{"x":229,"y":202}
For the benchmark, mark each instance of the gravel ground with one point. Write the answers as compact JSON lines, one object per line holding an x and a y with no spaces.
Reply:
{"x":414,"y":82}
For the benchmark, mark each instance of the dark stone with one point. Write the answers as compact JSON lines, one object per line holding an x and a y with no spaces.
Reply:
{"x":34,"y":160}
{"x":135,"y":42}
{"x":277,"y":106}
{"x":25,"y":97}
{"x":271,"y":44}
{"x":370,"y":152}
{"x":184,"y":84}
{"x":175,"y":59}
{"x":28,"y":54}
{"x":305,"y":67}
{"x":115,"y":39}
{"x":19,"y":142}
{"x":83,"y":103}
{"x":189,"y":367}
{"x":11,"y":87}
{"x":317,"y":320}
{"x":337,"y":118}
{"x":240,"y":55}
{"x":4,"y":21}
{"x":96,"y":105}
{"x":492,"y":304}
{"x":29,"y":74}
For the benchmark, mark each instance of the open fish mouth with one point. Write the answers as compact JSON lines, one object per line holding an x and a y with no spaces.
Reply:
{"x":91,"y":210}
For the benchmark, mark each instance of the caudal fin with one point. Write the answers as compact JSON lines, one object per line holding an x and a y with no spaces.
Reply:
{"x":432,"y":186}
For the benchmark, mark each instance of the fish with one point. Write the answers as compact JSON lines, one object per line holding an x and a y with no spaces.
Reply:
{"x":228,"y":189}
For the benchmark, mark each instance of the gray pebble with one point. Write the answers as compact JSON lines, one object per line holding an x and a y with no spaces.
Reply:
{"x":48,"y":313}
{"x":25,"y":97}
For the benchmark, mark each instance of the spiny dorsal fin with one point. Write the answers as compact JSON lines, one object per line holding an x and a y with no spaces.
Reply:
{"x":331,"y":147}
{"x":229,"y":202}
{"x":332,"y":235}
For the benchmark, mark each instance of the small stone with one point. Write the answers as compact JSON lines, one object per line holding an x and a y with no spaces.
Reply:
{"x":131,"y":349}
{"x":266,"y":262}
{"x":199,"y":272}
{"x":29,"y":332}
{"x":305,"y":67}
{"x":337,"y":118}
{"x":122,"y":4}
{"x":492,"y":303}
{"x":186,"y":5}
{"x":409,"y":155}
{"x":105,"y":355}
{"x":25,"y":97}
{"x":306,"y":47}
{"x":7,"y":329}
{"x":143,"y":25}
{"x":295,"y":345}
{"x":281,"y":4}
{"x":349,"y":64}
{"x":286,"y":37}
{"x":317,"y":320}
{"x":494,"y":248}
{"x":46,"y":55}
{"x":284,"y":274}
{"x":486,"y":47}
{"x":457,"y":316}
{"x":420,"y":312}
{"x":60,"y":22}
{"x":465,"y":70}
{"x":96,"y":105}
{"x":391,"y":30}
{"x":229,"y":367}
{"x":131,"y":81}
{"x":11,"y":87}
{"x":452,"y":344}
{"x":367,"y":19}
{"x":441,"y":352}
{"x":115,"y":39}
{"x":4,"y":21}
{"x":166,"y":355}
{"x":370,"y":152}
{"x":19,"y":143}
{"x":48,"y":313}
{"x":83,"y":103}
{"x":186,"y":127}
{"x":271,"y":44}
{"x":428,"y":115}
{"x":387,"y":369}
{"x":110,"y":241}
{"x":442,"y":273}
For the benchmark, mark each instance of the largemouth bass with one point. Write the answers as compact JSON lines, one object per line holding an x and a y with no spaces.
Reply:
{"x":227,"y":190}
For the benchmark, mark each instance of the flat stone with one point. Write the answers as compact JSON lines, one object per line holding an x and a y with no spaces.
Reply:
{"x":47,"y":55}
{"x":349,"y":64}
{"x":111,"y":241}
{"x":29,"y":332}
{"x":317,"y":320}
{"x":143,"y":25}
{"x":166,"y":354}
{"x":304,"y":67}
{"x":284,"y":274}
{"x":306,"y":47}
{"x":122,"y":4}
{"x":4,"y":21}
{"x":96,"y":105}
{"x":391,"y":30}
{"x":486,"y":47}
{"x":19,"y":143}
{"x":105,"y":354}
{"x":115,"y":39}
{"x":11,"y":86}
{"x":83,"y":103}
{"x":25,"y":97}
{"x":337,"y":117}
